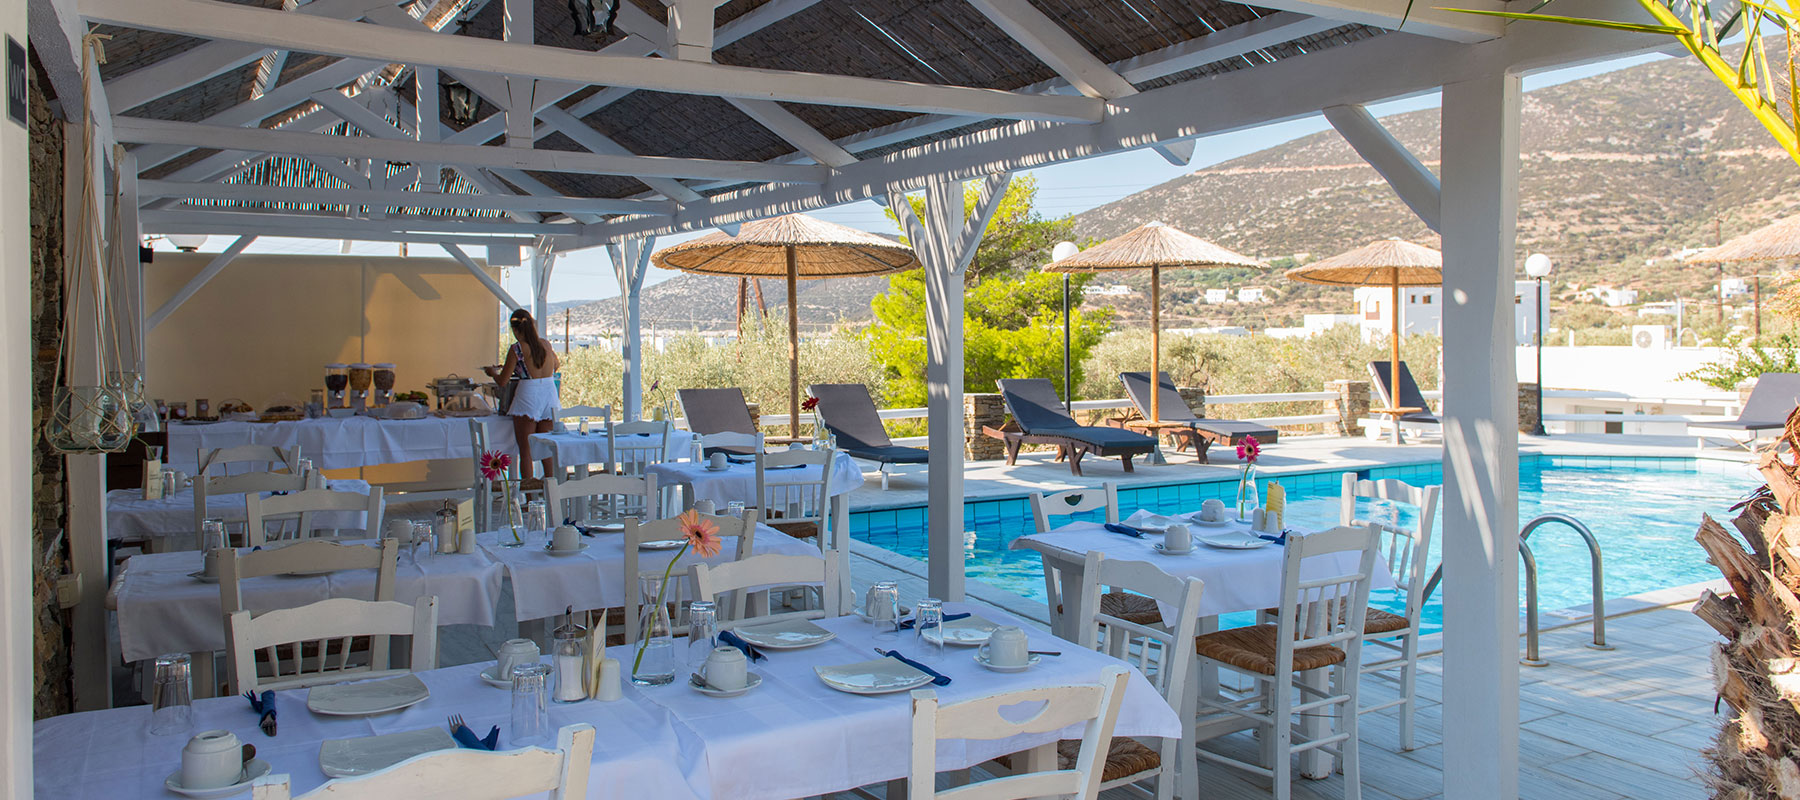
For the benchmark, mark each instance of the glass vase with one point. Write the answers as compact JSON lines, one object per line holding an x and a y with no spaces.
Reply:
{"x":88,"y":419}
{"x":654,"y":664}
{"x":1247,"y":501}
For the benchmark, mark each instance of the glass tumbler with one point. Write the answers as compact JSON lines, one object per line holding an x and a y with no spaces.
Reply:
{"x":537,"y":517}
{"x":703,"y":628}
{"x":172,"y":696}
{"x":882,"y":607}
{"x":929,"y":627}
{"x":531,"y":705}
{"x":735,"y":508}
{"x":422,"y":537}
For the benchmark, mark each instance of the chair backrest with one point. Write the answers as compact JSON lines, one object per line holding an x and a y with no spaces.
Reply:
{"x":1034,"y":405}
{"x":310,"y":645}
{"x":463,"y":773}
{"x":1325,"y":609}
{"x":572,"y":498}
{"x":215,"y":461}
{"x":636,"y":533}
{"x":1137,"y":387}
{"x":789,"y":495}
{"x":1163,"y":653}
{"x":247,"y":484}
{"x":981,"y":719}
{"x":1410,"y":396}
{"x":1074,"y":501}
{"x":850,"y":413}
{"x":602,"y":413}
{"x":767,"y":571}
{"x":1774,"y":397}
{"x":259,"y":511}
{"x":716,"y":410}
{"x":303,"y":558}
{"x":629,"y":454}
{"x":1404,"y":550}
{"x":731,"y":442}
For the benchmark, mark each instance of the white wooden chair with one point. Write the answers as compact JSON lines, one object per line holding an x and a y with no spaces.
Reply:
{"x":316,"y":639}
{"x":736,"y":578}
{"x":306,"y":557}
{"x":259,"y":511}
{"x":1164,"y":655}
{"x":636,"y":533}
{"x":466,"y":774}
{"x":1047,"y":511}
{"x":799,"y":507}
{"x":619,"y":495}
{"x":980,"y":719}
{"x":1313,"y":650}
{"x":601,"y":413}
{"x":629,"y":455}
{"x":459,"y":485}
{"x":218,"y":460}
{"x":245,"y":484}
{"x":1405,"y":554}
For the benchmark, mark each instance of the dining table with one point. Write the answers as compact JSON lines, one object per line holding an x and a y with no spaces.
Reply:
{"x":791,"y":736}
{"x":576,"y":449}
{"x":130,"y":517}
{"x":339,"y":442}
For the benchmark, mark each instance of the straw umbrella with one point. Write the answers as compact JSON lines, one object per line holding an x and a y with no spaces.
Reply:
{"x":1777,"y":241}
{"x":1153,"y":246}
{"x":796,"y":247}
{"x":1388,"y":262}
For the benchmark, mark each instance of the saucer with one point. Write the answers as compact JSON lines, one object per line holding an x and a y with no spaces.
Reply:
{"x":253,"y":770}
{"x":669,"y":544}
{"x":1167,"y":552}
{"x":488,"y":677}
{"x":982,"y":659}
{"x":1217,"y":523}
{"x":555,"y":552}
{"x":1235,"y":541}
{"x":607,"y":527}
{"x":711,"y":468}
{"x":862,"y":612}
{"x":751,"y":681}
{"x":202,"y":577}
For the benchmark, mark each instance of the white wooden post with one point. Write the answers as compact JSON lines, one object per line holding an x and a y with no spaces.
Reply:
{"x":17,"y":438}
{"x":86,"y":473}
{"x":1481,"y":435}
{"x":945,"y":243}
{"x":543,"y":262}
{"x":133,"y":330}
{"x":631,"y":260}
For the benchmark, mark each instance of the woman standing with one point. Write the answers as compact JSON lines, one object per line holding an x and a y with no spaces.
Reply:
{"x":534,"y":404}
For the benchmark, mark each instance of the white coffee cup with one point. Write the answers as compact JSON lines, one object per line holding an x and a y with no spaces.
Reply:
{"x":212,"y":759}
{"x":565,"y":538}
{"x":1212,"y":510}
{"x":726,"y":669}
{"x":716,"y":461}
{"x":1008,"y":646}
{"x":1176,"y":539}
{"x":211,"y":568}
{"x":514,"y":653}
{"x":400,"y":529}
{"x":706,"y":507}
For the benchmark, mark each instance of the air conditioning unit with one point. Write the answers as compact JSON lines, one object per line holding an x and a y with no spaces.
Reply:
{"x":1650,"y":337}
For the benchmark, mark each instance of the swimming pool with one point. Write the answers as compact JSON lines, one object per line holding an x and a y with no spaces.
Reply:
{"x":1644,"y":511}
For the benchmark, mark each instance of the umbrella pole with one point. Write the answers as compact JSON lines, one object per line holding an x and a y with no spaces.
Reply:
{"x":1156,"y":456}
{"x":1394,"y":360}
{"x":793,"y":271}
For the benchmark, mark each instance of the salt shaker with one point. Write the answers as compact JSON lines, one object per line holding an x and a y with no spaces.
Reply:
{"x":569,"y":653}
{"x":610,"y":685}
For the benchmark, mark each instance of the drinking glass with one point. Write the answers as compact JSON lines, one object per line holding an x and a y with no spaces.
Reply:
{"x":531,"y":705}
{"x":930,"y":617}
{"x":581,"y":425}
{"x":735,"y":508}
{"x":882,"y":605}
{"x":703,"y":627}
{"x":537,"y":519}
{"x":422,"y":536}
{"x":171,"y":696}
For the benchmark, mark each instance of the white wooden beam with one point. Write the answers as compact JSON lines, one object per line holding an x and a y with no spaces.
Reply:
{"x":284,"y":223}
{"x":519,"y":28}
{"x":631,"y":262}
{"x":253,"y":193}
{"x":584,"y":134}
{"x":1179,"y":153}
{"x":253,"y":112}
{"x":132,"y":129}
{"x":230,"y":22}
{"x":794,"y":131}
{"x":1220,"y":45}
{"x":1055,"y":47}
{"x":543,"y":265}
{"x":1415,"y":184}
{"x":481,"y":275}
{"x":1424,"y":19}
{"x":372,"y":235}
{"x":426,"y":121}
{"x":690,"y":30}
{"x":56,"y":33}
{"x":207,"y":273}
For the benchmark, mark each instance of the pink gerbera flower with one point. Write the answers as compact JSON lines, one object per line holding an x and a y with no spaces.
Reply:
{"x":702,"y":534}
{"x":1249,"y":450}
{"x":494,"y":464}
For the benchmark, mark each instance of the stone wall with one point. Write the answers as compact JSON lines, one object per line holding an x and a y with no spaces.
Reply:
{"x":51,"y":642}
{"x":1528,"y":407}
{"x":1351,"y":405}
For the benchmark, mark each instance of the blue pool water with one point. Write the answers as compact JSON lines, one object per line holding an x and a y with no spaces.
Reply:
{"x":1644,"y":511}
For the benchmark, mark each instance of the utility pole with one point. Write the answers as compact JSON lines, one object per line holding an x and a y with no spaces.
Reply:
{"x":566,"y":313}
{"x":1718,"y":239}
{"x":1756,"y":338}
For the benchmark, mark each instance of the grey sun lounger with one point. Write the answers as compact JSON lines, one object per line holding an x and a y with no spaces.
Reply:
{"x":1180,"y":422}
{"x":849,"y":412}
{"x":1038,"y":418}
{"x":1774,"y":398}
{"x":1410,"y":397}
{"x":717,"y":411}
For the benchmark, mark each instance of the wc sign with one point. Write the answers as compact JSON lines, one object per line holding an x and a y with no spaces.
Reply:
{"x":16,"y":99}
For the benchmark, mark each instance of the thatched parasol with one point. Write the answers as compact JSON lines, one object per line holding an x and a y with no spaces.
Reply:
{"x":1389,"y":262}
{"x":796,"y":247}
{"x":1777,"y":241}
{"x":1153,"y":245}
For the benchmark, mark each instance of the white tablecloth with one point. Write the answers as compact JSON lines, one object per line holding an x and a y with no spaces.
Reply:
{"x":737,"y":483}
{"x":545,"y":585}
{"x":334,"y":443}
{"x":572,"y":449}
{"x":163,"y":610}
{"x":130,"y":516}
{"x":792,"y":737}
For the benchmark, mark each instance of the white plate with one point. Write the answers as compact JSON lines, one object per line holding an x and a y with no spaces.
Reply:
{"x":967,"y":632}
{"x":672,"y":544}
{"x":253,"y":770}
{"x":552,"y":551}
{"x":374,"y":697}
{"x":982,"y":659}
{"x":751,"y":681}
{"x":608,"y":527}
{"x":1234,"y":541}
{"x":201,"y":577}
{"x":791,"y":634}
{"x":1154,"y":522}
{"x":345,"y":758}
{"x":878,"y":676}
{"x":1160,"y":550}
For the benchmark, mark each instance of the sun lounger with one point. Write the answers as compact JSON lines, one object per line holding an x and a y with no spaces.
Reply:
{"x":1381,"y":374}
{"x":1775,"y":396}
{"x":1180,"y":422}
{"x":849,"y":412}
{"x":1038,"y":418}
{"x":717,"y":411}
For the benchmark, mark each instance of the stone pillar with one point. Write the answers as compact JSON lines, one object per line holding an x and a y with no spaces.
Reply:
{"x":1351,"y":405}
{"x":1528,"y":407}
{"x":755,"y":415}
{"x":979,"y":410}
{"x":1195,"y":398}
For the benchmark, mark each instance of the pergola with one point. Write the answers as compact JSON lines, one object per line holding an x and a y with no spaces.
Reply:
{"x":697,"y":114}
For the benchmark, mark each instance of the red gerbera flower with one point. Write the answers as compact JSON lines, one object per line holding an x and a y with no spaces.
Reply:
{"x":494,"y":464}
{"x":809,"y":404}
{"x":1249,"y":450}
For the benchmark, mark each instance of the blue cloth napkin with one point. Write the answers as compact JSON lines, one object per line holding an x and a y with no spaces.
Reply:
{"x":468,"y":739}
{"x":937,"y":678}
{"x":264,"y":705}
{"x":582,"y":529}
{"x":1125,"y":529}
{"x":1280,"y":540}
{"x":733,"y":640}
{"x":907,"y":625}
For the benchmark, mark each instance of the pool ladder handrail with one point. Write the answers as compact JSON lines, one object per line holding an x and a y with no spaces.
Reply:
{"x":1597,"y":573}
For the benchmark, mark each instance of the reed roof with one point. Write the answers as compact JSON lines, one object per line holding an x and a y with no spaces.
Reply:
{"x":760,"y":250}
{"x":1379,"y":263}
{"x":1777,"y":241}
{"x":1153,"y":244}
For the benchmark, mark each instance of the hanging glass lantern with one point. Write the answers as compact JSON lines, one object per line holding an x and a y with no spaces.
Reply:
{"x":588,"y":17}
{"x":462,"y":102}
{"x":87,"y":420}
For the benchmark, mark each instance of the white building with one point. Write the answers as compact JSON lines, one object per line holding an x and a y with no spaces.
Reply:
{"x":1217,"y":296}
{"x":1422,"y":310}
{"x":1612,"y":297}
{"x":1109,"y":290}
{"x":1253,"y":294}
{"x":1733,"y":287}
{"x":1312,"y":325}
{"x":1660,"y":308}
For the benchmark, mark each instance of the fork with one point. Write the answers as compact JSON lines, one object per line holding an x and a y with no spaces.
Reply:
{"x":456,"y":721}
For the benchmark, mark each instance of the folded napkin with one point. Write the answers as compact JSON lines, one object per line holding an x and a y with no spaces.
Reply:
{"x":733,"y":640}
{"x":907,"y":625}
{"x":1125,"y":529}
{"x":1281,"y":540}
{"x":741,"y":459}
{"x":937,"y":678}
{"x":583,"y":529}
{"x":468,"y":739}
{"x":264,"y":705}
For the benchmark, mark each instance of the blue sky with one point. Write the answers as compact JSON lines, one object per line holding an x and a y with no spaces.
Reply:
{"x":1063,"y":189}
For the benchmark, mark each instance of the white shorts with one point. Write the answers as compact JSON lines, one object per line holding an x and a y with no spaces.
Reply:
{"x":535,"y":399}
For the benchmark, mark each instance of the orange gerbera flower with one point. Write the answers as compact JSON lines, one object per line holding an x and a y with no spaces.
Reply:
{"x":702,"y":534}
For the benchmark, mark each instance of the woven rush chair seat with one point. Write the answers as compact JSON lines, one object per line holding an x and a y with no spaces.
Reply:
{"x":1124,"y":757}
{"x":798,"y":530}
{"x":1375,"y":622}
{"x":1129,"y":607}
{"x":1253,"y":649}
